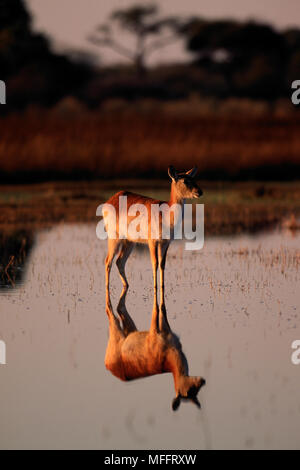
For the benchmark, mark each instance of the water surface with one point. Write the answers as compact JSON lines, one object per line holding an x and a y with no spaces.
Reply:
{"x":235,"y":306}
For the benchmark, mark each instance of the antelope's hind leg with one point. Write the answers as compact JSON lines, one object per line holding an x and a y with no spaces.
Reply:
{"x":115,"y":329}
{"x":116,"y":338}
{"x":126,"y":249}
{"x":127,"y":321}
{"x":113,"y":247}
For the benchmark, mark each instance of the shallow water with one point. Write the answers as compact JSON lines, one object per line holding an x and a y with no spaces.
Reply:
{"x":235,"y":306}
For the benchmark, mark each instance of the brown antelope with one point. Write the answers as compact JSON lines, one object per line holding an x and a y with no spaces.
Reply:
{"x":183,"y":187}
{"x":133,"y":354}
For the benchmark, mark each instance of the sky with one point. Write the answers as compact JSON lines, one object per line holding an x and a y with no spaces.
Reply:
{"x":68,"y":23}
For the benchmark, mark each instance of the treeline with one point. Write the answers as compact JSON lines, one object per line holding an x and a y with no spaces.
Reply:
{"x":245,"y":59}
{"x":228,"y":59}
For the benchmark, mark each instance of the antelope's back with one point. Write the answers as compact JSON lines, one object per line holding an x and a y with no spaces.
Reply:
{"x":124,"y":219}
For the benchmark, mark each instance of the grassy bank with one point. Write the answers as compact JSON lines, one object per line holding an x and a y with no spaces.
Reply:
{"x":229,"y":207}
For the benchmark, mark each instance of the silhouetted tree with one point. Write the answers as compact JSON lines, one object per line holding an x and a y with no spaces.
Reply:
{"x":252,"y":56}
{"x":32,"y":71}
{"x":15,"y":36}
{"x":143,"y":22}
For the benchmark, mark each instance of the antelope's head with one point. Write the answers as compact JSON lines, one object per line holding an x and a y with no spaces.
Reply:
{"x":185,"y":184}
{"x":188,"y":390}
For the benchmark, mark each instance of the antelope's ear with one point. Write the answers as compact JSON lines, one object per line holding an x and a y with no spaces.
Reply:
{"x":192,"y":172}
{"x":172,"y":173}
{"x":176,"y":403}
{"x":197,"y":402}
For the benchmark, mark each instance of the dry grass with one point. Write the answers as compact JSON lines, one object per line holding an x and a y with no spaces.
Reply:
{"x":131,"y":144}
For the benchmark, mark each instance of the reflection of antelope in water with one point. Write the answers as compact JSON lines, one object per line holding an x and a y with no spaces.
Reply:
{"x":132,"y":354}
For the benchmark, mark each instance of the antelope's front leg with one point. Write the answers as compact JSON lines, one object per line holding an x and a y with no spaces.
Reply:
{"x":162,"y":256}
{"x":153,"y":254}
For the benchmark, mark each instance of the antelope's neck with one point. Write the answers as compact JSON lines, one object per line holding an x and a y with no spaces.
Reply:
{"x":174,"y":197}
{"x":176,"y":365}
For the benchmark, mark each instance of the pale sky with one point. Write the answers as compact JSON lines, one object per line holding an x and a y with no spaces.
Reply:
{"x":69,"y":22}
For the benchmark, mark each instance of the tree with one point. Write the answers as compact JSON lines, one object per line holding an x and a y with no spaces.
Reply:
{"x":143,"y":22}
{"x":32,"y":72}
{"x":251,"y":56}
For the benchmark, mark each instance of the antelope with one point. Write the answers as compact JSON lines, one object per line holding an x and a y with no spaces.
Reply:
{"x":183,"y":187}
{"x":133,"y":354}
